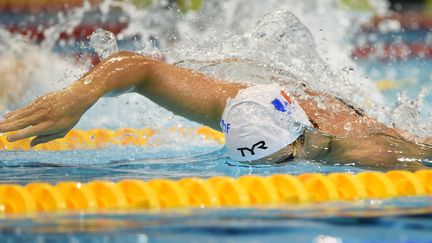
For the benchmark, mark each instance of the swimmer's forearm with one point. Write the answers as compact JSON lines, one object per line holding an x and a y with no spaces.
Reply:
{"x":120,"y":71}
{"x":53,"y":115}
{"x":377,"y":152}
{"x":183,"y":91}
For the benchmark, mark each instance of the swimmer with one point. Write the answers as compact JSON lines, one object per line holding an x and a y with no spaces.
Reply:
{"x":261,"y":123}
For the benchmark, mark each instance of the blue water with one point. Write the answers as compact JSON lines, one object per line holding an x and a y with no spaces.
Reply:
{"x":138,"y":162}
{"x":397,"y":220}
{"x":411,"y":75}
{"x":216,"y":226}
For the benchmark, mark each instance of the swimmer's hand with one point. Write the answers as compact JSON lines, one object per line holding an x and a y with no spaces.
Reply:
{"x":183,"y":91}
{"x":47,"y":118}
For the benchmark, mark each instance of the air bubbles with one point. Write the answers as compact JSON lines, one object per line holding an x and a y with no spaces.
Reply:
{"x":407,"y":114}
{"x":104,"y":43}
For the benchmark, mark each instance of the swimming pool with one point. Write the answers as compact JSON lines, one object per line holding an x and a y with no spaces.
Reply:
{"x":395,"y":220}
{"x":401,"y":219}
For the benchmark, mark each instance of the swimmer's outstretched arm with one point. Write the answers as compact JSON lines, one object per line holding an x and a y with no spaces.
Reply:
{"x":373,"y":151}
{"x":183,"y":91}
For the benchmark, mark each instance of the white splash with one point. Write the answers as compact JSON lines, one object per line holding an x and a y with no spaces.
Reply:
{"x":237,"y":40}
{"x":28,"y":71}
{"x":104,"y":43}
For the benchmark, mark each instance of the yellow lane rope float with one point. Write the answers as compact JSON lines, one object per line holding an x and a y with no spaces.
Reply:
{"x":216,"y":192}
{"x":99,"y":138}
{"x":221,"y":191}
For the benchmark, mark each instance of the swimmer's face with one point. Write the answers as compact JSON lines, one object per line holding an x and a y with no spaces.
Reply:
{"x":277,"y":157}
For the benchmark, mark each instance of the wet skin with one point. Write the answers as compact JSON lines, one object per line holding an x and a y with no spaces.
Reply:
{"x":202,"y":99}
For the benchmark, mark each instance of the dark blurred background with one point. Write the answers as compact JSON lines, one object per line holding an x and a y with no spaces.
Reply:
{"x":411,"y":5}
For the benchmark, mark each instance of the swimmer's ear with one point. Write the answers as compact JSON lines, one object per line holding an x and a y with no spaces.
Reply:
{"x":47,"y":138}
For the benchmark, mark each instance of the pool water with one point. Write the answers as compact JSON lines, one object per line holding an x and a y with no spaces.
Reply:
{"x":396,"y":220}
{"x":142,"y":163}
{"x":228,"y":225}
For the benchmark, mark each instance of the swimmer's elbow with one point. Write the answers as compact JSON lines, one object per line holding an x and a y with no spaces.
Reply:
{"x":123,"y":54}
{"x":127,"y":70}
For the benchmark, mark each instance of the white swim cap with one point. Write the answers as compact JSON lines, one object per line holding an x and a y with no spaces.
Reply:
{"x":260,"y":121}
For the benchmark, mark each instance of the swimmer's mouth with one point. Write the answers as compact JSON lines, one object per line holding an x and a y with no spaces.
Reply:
{"x":286,"y":159}
{"x":290,"y":157}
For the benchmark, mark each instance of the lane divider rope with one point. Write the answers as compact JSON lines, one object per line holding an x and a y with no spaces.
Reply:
{"x":216,"y":192}
{"x":100,"y":138}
